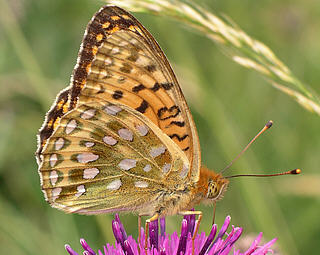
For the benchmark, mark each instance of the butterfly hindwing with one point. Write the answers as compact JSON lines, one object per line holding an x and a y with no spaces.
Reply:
{"x":101,"y":154}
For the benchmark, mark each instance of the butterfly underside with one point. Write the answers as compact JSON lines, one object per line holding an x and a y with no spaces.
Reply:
{"x":122,"y":132}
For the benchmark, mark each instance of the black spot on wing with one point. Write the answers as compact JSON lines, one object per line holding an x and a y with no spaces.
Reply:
{"x":167,"y":85}
{"x":173,"y":112}
{"x":178,"y":123}
{"x":150,"y":68}
{"x":180,"y":138}
{"x":143,"y":106}
{"x":155,"y":87}
{"x":138,"y":88}
{"x":126,"y":68}
{"x":117,"y":94}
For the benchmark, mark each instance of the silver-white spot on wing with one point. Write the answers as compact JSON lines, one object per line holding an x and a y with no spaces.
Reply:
{"x":108,"y":61}
{"x":156,"y":151}
{"x":141,"y":184}
{"x":90,"y":173}
{"x":53,"y":177}
{"x":112,"y":109}
{"x":87,"y":157}
{"x":147,"y":168}
{"x":114,"y":185}
{"x":59,"y":144}
{"x":88,"y":114}
{"x":72,"y":124}
{"x":115,"y":50}
{"x":184,"y":171}
{"x":125,"y":134}
{"x":166,"y":167}
{"x":55,"y":193}
{"x":89,"y":144}
{"x":53,"y":160}
{"x":109,"y":140}
{"x":127,"y":164}
{"x":81,"y":189}
{"x":142,"y":129}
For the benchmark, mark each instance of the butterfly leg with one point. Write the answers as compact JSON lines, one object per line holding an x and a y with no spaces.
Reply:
{"x":139,"y":227}
{"x":199,"y":213}
{"x":154,"y":217}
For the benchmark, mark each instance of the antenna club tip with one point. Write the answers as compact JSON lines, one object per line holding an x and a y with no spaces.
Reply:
{"x":296,"y":171}
{"x":269,"y":124}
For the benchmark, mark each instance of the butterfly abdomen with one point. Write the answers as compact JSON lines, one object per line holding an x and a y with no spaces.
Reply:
{"x":173,"y":201}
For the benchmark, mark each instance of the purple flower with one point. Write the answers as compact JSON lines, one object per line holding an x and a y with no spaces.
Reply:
{"x":165,"y":244}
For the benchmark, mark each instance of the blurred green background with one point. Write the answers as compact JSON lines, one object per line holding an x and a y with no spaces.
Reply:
{"x":39,"y":42}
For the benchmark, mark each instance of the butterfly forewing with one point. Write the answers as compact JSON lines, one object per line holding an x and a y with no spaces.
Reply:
{"x":129,"y":67}
{"x":102,"y":154}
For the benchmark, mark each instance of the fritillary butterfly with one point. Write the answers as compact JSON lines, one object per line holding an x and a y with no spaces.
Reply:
{"x":121,"y":137}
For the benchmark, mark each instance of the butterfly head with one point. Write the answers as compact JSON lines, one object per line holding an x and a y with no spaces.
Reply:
{"x":211,"y":185}
{"x":216,"y":188}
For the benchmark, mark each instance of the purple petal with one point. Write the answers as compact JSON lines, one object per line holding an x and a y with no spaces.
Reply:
{"x":254,"y":245}
{"x":231,"y":239}
{"x":209,"y":239}
{"x":236,"y":236}
{"x":226,"y":241}
{"x":191,"y":223}
{"x":141,"y":243}
{"x":171,"y":245}
{"x":105,"y":250}
{"x":117,"y":218}
{"x":222,"y":230}
{"x":216,"y":246}
{"x":128,"y":249}
{"x":86,"y":247}
{"x":154,"y":234}
{"x":183,"y":237}
{"x":225,"y":251}
{"x":236,"y":252}
{"x":224,"y":227}
{"x":163,"y":252}
{"x":265,"y":248}
{"x":69,"y":250}
{"x":163,"y":226}
{"x":118,"y":234}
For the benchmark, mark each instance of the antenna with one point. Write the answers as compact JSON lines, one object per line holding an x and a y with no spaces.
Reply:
{"x":265,"y":128}
{"x":294,"y":171}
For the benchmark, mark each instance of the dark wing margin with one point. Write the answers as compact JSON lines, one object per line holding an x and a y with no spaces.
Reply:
{"x":52,"y":119}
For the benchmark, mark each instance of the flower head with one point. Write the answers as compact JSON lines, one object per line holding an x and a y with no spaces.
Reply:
{"x":165,"y":244}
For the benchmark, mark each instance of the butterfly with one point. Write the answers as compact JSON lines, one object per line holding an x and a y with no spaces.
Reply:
{"x":121,"y":137}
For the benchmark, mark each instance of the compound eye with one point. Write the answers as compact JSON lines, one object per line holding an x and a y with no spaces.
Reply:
{"x":213,"y":190}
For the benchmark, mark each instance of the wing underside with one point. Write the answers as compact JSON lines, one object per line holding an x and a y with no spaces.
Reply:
{"x":105,"y":157}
